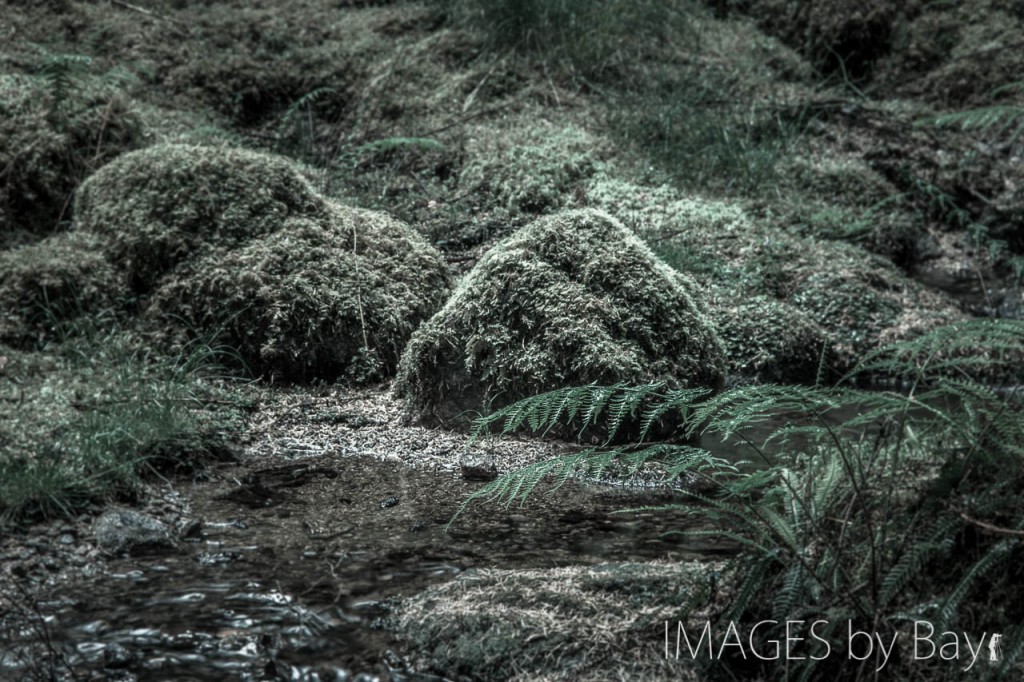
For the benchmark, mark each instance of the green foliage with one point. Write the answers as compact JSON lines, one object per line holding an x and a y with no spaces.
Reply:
{"x":701,"y":140}
{"x":62,"y":74}
{"x":103,"y":414}
{"x":997,"y":118}
{"x":592,"y":37}
{"x":876,"y":507}
{"x":944,"y":206}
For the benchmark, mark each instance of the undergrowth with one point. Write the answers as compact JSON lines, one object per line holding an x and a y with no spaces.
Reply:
{"x":592,"y":38}
{"x":909,"y":511}
{"x":106,"y":412}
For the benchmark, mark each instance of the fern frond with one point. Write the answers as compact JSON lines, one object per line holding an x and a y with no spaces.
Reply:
{"x":981,"y":118}
{"x":304,"y":103}
{"x":753,"y":582}
{"x":792,"y":589}
{"x":728,"y":413}
{"x":910,"y":562}
{"x":999,"y":552}
{"x":680,"y":400}
{"x":583,"y":406}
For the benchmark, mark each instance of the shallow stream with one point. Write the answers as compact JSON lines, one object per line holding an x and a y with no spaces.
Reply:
{"x":291,"y":572}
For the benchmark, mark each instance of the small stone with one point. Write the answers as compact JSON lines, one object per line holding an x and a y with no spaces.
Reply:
{"x":478,"y":466}
{"x":193,"y":528}
{"x":388,"y":503}
{"x":122,"y":530}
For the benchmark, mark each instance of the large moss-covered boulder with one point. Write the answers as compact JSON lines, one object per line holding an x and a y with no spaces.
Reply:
{"x":322,"y":297}
{"x":163,"y":205}
{"x":237,"y":246}
{"x":571,"y":299}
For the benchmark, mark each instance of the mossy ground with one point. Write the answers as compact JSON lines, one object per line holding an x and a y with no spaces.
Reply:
{"x":783,"y":156}
{"x":594,"y":619}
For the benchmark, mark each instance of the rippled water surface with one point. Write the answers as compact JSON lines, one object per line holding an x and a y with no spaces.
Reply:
{"x":289,"y":580}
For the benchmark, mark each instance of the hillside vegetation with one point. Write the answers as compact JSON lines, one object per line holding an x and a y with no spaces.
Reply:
{"x":619,"y":223}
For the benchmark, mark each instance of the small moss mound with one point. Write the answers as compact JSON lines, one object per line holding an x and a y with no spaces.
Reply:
{"x":533,"y":169}
{"x":162,"y":205}
{"x":47,"y":284}
{"x":318,"y":299}
{"x":770,"y":341}
{"x":571,"y":299}
{"x":55,"y":128}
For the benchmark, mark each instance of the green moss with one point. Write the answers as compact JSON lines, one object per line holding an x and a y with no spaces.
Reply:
{"x":168,"y":203}
{"x":531,"y":169}
{"x":859,"y":299}
{"x":319,"y":298}
{"x":553,"y":624}
{"x":771,"y":341}
{"x":55,"y":128}
{"x":46,"y":285}
{"x":571,"y":299}
{"x":844,"y":198}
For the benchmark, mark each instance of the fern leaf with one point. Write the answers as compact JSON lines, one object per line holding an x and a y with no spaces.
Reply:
{"x":914,"y":559}
{"x":997,"y":554}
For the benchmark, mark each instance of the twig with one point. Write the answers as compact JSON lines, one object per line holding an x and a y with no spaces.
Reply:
{"x":181,"y":30}
{"x":990,"y":528}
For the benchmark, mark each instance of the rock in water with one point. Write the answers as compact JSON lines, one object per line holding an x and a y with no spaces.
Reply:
{"x":120,"y":531}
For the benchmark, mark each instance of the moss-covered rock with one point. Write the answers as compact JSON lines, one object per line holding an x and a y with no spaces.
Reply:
{"x":55,"y":128}
{"x":767,"y":340}
{"x":571,"y":299}
{"x":163,"y":205}
{"x":49,"y":283}
{"x":532,"y":169}
{"x":859,"y":299}
{"x":320,"y":298}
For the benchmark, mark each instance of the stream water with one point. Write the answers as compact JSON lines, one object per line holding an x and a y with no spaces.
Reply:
{"x":296,"y":584}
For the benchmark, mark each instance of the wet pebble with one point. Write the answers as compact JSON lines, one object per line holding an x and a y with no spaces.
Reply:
{"x":117,"y":655}
{"x":478,"y":466}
